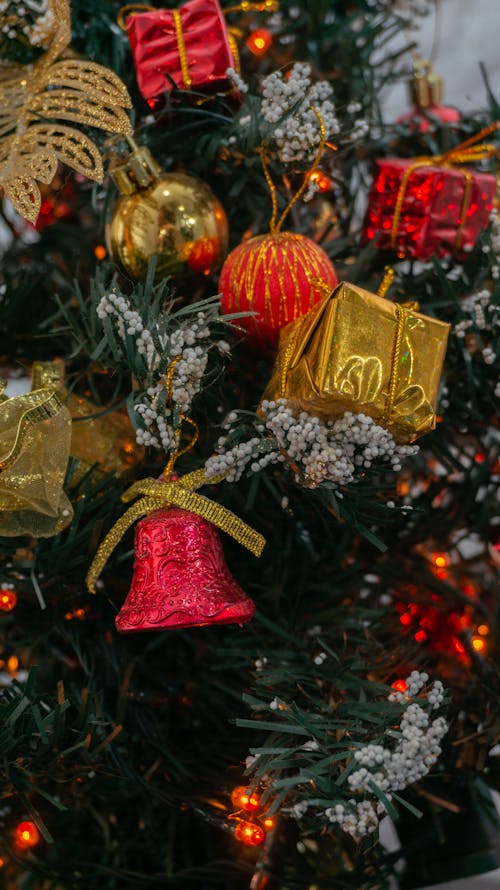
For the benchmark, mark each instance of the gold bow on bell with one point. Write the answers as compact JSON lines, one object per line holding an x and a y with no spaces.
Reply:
{"x":468,"y":152}
{"x":157,"y":495}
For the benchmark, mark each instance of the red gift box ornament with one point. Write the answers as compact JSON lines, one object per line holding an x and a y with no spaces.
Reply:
{"x":427,"y":205}
{"x":190,"y":47}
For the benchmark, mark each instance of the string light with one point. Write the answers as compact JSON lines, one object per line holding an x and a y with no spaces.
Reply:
{"x":440,"y":560}
{"x":269,"y":823}
{"x":400,"y":685}
{"x":249,"y":833}
{"x":322,"y":181}
{"x":12,"y":664}
{"x":483,"y":630}
{"x":27,"y":835}
{"x":245,"y":799}
{"x":478,"y":644}
{"x":259,"y":41}
{"x":79,"y":613}
{"x":100,"y":252}
{"x":8,"y":599}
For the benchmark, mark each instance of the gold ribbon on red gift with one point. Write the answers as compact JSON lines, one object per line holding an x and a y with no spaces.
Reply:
{"x":468,"y":152}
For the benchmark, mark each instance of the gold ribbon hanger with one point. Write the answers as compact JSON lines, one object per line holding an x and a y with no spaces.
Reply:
{"x":468,"y":152}
{"x":276,"y":224}
{"x":182,"y":492}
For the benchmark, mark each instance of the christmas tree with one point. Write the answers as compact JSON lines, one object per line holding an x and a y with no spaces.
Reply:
{"x":247,"y":350}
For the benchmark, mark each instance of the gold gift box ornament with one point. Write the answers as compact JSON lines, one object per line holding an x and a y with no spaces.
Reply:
{"x":359,"y":352}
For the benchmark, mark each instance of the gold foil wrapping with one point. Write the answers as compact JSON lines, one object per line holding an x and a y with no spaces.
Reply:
{"x":359,"y":352}
{"x":35,"y":433}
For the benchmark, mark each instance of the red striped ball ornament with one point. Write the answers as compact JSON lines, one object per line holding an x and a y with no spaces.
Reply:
{"x":278,"y":276}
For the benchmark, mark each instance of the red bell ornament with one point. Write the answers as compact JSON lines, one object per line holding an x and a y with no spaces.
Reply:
{"x":280,"y":277}
{"x":180,"y":577}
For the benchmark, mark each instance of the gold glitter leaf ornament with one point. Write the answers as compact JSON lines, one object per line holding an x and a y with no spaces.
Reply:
{"x":36,"y":101}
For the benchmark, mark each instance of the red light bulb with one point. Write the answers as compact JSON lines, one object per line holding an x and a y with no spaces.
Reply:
{"x":250,"y":834}
{"x":323,"y":182}
{"x":27,"y":835}
{"x":245,"y":799}
{"x":8,"y":599}
{"x":259,"y":41}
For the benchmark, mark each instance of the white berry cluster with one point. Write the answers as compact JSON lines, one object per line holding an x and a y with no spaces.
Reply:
{"x":289,"y":102}
{"x":237,"y":80}
{"x":31,"y":18}
{"x":188,"y":345}
{"x":392,"y":769}
{"x":483,"y":317}
{"x":357,"y":818}
{"x":316,"y":451}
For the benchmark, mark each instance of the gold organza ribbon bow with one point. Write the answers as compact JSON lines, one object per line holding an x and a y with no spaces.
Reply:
{"x":468,"y":152}
{"x":35,"y":435}
{"x":158,"y":495}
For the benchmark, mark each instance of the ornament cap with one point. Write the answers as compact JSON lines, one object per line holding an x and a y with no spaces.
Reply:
{"x":139,"y":170}
{"x":425,"y":87}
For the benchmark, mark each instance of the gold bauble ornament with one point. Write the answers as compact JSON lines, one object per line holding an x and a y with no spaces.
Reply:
{"x":174,"y":217}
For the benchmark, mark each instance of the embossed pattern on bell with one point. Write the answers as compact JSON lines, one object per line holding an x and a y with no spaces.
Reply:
{"x":180,"y":576}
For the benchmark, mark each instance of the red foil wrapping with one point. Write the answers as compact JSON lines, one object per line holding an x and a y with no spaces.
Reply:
{"x":204,"y":49}
{"x":430,"y":219}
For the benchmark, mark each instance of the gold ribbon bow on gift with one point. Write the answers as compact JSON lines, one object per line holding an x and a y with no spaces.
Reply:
{"x":157,"y":495}
{"x":468,"y":152}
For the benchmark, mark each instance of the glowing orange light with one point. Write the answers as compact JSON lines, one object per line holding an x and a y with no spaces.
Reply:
{"x":8,"y":599}
{"x":323,"y":181}
{"x":245,"y":799}
{"x":79,"y":613}
{"x":420,"y":636}
{"x":259,"y":41}
{"x":269,"y":823}
{"x":440,"y":560}
{"x":12,"y":664}
{"x":249,"y":833}
{"x":2,"y":862}
{"x":27,"y":835}
{"x":483,"y":629}
{"x":400,"y":685}
{"x":100,"y":252}
{"x":478,"y":644}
